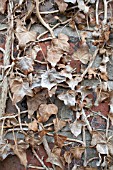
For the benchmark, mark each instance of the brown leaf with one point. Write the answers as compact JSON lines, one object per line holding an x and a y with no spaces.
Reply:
{"x":20,"y":88}
{"x":61,"y":5}
{"x":3,"y":6}
{"x":23,"y":35}
{"x":46,"y":110}
{"x":77,"y":151}
{"x":82,"y":54}
{"x":58,"y":124}
{"x":34,"y":102}
{"x":68,"y":157}
{"x":33,"y":125}
{"x":19,"y":150}
{"x":59,"y":140}
{"x":57,"y":49}
{"x":55,"y":160}
{"x":68,"y":97}
{"x":25,"y":64}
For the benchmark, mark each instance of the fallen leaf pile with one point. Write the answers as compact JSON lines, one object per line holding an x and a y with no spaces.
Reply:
{"x":44,"y":77}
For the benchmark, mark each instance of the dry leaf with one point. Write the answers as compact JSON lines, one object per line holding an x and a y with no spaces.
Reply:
{"x":61,"y":5}
{"x":23,"y":35}
{"x":46,"y":110}
{"x":58,"y":124}
{"x":82,"y":6}
{"x":34,"y":102}
{"x":72,"y":1}
{"x":55,"y":160}
{"x":98,"y":137}
{"x":74,"y":82}
{"x":19,"y":150}
{"x":68,"y":97}
{"x":20,"y":88}
{"x":25,"y":64}
{"x":76,"y":127}
{"x":102,"y":148}
{"x":57,"y":49}
{"x":68,"y":157}
{"x":82,"y":54}
{"x":3,"y":6}
{"x":33,"y":126}
{"x":50,"y":78}
{"x":5,"y":149}
{"x":59,"y":140}
{"x":77,"y":151}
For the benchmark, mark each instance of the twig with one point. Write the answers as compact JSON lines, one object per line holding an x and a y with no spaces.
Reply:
{"x":97,"y":4}
{"x":105,"y":12}
{"x":6,"y":62}
{"x":84,"y":140}
{"x":90,"y":63}
{"x":35,"y":167}
{"x":49,"y":12}
{"x":86,"y":120}
{"x":69,"y":139}
{"x":18,"y":109}
{"x":42,"y":21}
{"x":107,"y":127}
{"x":42,"y":163}
{"x":91,"y":159}
{"x":3,"y":51}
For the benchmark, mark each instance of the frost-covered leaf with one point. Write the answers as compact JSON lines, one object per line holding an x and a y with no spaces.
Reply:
{"x":58,"y":47}
{"x":23,"y":35}
{"x":50,"y":78}
{"x":68,"y":97}
{"x":20,"y":88}
{"x":46,"y":110}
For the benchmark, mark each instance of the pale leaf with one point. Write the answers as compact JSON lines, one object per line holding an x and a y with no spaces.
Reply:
{"x":50,"y":78}
{"x":23,"y":35}
{"x":68,"y":97}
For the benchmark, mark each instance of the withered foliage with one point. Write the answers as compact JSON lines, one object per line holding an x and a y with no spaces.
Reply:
{"x":45,"y":82}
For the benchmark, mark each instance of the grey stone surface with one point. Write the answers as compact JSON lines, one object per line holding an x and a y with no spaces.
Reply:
{"x":93,"y":83}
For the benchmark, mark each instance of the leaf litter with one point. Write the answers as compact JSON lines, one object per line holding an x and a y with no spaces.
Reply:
{"x":43,"y":83}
